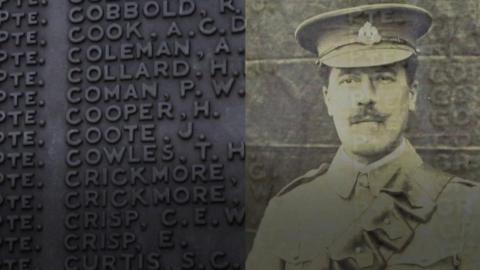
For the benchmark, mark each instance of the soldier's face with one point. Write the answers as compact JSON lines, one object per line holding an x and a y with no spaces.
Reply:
{"x":370,"y":107}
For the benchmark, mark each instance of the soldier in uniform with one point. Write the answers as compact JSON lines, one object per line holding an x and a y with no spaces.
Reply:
{"x":377,"y":205}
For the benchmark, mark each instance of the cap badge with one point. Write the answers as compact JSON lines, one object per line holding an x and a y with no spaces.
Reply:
{"x":368,"y":34}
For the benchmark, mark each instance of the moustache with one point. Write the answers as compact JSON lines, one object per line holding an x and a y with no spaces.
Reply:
{"x":368,"y":115}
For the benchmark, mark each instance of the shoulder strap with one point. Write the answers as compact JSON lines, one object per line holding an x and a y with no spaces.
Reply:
{"x":308,"y":177}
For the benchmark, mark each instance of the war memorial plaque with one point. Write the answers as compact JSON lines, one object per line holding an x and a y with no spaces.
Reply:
{"x":122,"y":134}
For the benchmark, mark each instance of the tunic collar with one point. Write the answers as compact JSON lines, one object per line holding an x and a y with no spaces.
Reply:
{"x":343,"y":172}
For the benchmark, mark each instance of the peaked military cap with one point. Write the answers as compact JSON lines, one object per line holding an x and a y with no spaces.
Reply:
{"x":363,"y":36}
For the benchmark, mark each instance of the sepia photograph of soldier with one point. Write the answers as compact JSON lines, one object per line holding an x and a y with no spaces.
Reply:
{"x":376,"y":205}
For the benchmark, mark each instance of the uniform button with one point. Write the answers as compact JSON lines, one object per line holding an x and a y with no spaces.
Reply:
{"x":296,"y":258}
{"x":358,"y":250}
{"x":362,"y":179}
{"x":387,"y":221}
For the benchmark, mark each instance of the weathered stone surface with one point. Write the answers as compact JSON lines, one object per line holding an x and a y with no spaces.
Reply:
{"x":291,"y":93}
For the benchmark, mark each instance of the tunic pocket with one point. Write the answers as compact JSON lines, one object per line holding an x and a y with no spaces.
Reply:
{"x":295,"y":266}
{"x":294,"y":261}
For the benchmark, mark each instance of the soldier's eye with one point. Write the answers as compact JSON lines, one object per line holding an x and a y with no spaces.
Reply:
{"x":384,"y":78}
{"x":348,"y":80}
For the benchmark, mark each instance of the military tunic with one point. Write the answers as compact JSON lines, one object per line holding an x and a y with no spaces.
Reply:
{"x":401,"y":215}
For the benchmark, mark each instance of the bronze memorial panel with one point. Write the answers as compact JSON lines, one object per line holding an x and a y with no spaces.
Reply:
{"x":122,"y":134}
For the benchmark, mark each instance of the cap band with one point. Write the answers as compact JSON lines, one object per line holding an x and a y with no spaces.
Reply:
{"x":355,"y":41}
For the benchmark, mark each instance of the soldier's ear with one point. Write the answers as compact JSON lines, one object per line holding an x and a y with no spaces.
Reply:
{"x":326,"y":99}
{"x":413,"y":96}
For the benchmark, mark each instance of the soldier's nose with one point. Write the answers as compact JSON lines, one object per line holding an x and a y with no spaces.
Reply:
{"x":367,"y":94}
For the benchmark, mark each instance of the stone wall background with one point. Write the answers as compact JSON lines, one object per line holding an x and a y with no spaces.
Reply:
{"x":288,"y":129}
